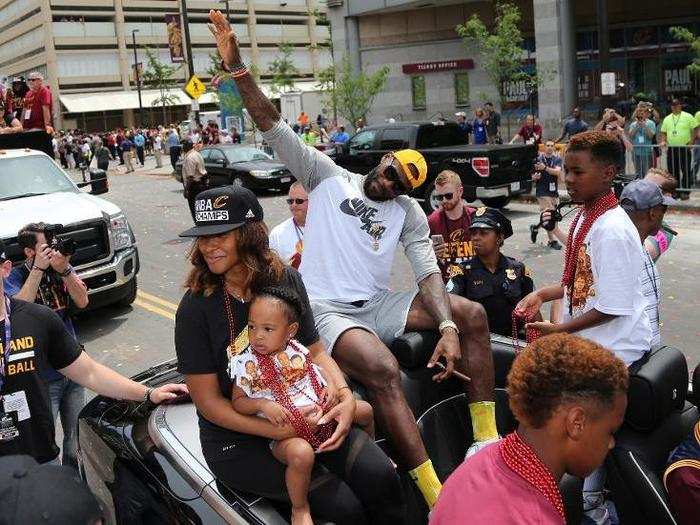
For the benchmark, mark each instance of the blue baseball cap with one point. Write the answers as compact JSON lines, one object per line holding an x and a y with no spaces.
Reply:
{"x":643,"y":194}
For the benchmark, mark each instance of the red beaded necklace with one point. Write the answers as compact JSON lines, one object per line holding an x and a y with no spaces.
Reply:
{"x":530,"y":334}
{"x":575,"y":239}
{"x":271,"y":379}
{"x":522,"y":459}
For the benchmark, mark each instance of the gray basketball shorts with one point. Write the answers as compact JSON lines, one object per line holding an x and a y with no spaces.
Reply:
{"x":384,"y":315}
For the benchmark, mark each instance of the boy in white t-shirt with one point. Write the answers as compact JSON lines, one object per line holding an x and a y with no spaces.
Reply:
{"x":601,"y":284}
{"x":601,"y":287}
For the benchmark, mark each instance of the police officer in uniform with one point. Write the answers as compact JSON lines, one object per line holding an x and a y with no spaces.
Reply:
{"x":490,"y":278}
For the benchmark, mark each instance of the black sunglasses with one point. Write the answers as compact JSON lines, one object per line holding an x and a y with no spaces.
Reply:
{"x":296,"y":201}
{"x":392,"y":176}
{"x":446,"y":196}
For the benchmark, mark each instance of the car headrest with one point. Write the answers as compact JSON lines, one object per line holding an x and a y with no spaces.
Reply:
{"x":658,"y":385}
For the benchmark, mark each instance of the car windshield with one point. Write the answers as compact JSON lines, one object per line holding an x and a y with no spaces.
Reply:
{"x":245,"y":155}
{"x":31,"y":175}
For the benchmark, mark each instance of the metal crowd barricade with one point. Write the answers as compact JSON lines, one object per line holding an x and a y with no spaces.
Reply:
{"x":683,"y":162}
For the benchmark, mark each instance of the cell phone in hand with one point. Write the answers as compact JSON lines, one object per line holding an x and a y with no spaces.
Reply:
{"x":437,"y":239}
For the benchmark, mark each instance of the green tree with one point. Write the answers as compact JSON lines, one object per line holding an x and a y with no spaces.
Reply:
{"x":352,"y":94}
{"x":158,"y":75}
{"x":283,"y":70}
{"x":501,"y":50}
{"x":686,"y":35}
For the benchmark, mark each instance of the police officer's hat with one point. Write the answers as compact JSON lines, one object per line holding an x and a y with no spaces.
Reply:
{"x":492,"y":219}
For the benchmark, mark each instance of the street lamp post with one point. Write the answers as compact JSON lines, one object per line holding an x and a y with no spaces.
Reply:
{"x":188,"y":47}
{"x":136,"y":74}
{"x":228,"y":10}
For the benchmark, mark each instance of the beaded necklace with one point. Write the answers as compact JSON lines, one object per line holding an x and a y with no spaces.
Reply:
{"x":530,"y":334}
{"x":575,"y":239}
{"x":522,"y":459}
{"x":271,"y":379}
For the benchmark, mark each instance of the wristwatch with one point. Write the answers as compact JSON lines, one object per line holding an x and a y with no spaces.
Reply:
{"x":448,"y":323}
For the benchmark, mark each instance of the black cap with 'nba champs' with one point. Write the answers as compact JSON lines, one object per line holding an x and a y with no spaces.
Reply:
{"x":220,"y":210}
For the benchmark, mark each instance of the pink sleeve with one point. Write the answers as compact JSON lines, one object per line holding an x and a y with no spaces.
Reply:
{"x":662,"y":240}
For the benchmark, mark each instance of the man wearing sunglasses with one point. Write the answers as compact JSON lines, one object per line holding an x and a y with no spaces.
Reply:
{"x":353,"y":228}
{"x":38,"y":106}
{"x":287,"y":238}
{"x":449,"y":225}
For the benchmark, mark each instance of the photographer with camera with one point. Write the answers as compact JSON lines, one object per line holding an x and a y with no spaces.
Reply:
{"x":47,"y":278}
{"x":548,"y":172}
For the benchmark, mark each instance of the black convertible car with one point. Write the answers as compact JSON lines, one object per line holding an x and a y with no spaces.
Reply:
{"x":242,"y":165}
{"x":147,"y":465}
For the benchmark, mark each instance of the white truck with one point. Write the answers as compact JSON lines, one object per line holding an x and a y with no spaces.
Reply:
{"x":33,"y":188}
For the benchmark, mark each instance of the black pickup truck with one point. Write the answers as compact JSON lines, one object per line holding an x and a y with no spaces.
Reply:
{"x":492,"y":173}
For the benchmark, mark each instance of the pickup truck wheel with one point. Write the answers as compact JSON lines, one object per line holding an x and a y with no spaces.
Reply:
{"x":429,"y":203}
{"x":131,"y":296}
{"x":496,"y":202}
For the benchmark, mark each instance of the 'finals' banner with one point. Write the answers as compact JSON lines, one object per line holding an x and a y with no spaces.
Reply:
{"x":172,"y":22}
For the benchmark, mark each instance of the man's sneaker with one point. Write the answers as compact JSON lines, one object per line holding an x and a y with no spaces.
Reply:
{"x":554,"y":244}
{"x":478,"y":445}
{"x":533,"y":233}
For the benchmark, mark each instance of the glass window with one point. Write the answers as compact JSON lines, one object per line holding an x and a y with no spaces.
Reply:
{"x":461,"y":89}
{"x":586,"y":40}
{"x":216,"y":156}
{"x":617,"y":38}
{"x":364,"y":140}
{"x":418,"y":91}
{"x":245,"y":154}
{"x":31,"y":175}
{"x":435,"y":136}
{"x":394,"y":139}
{"x":642,"y":36}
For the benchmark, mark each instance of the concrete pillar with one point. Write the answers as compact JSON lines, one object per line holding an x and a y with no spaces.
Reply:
{"x":124,"y":59}
{"x":353,"y":43}
{"x":311,"y":24}
{"x":554,"y":38}
{"x":51,"y":77}
{"x":346,"y":36}
{"x":253,"y":36}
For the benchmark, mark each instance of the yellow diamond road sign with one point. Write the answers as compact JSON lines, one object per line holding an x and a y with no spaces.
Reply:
{"x":195,"y":87}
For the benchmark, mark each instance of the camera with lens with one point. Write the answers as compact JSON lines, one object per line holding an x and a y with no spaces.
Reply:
{"x":548,"y":224}
{"x":63,"y":245}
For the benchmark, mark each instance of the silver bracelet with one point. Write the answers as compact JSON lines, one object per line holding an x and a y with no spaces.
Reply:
{"x":448,"y":323}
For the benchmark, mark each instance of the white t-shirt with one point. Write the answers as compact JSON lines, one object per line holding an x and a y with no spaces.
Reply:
{"x":651,"y":288}
{"x":350,"y":240}
{"x":245,"y":372}
{"x":287,"y":240}
{"x":608,"y":278}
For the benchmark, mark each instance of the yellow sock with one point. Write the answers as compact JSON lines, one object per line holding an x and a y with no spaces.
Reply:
{"x":483,"y":414}
{"x":425,"y":477}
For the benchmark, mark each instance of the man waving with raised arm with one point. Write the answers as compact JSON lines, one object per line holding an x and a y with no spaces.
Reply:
{"x":353,"y":227}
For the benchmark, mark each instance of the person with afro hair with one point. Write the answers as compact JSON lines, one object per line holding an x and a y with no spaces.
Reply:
{"x":569,"y":395}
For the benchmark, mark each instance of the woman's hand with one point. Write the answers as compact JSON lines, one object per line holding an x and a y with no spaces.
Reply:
{"x":276,"y":413}
{"x":343,"y":413}
{"x":168,"y":392}
{"x":226,"y":40}
{"x":529,"y":306}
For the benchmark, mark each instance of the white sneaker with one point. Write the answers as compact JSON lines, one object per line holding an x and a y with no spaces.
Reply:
{"x":478,"y":445}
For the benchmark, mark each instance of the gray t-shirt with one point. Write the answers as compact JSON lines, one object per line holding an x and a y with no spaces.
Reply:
{"x":350,"y":240}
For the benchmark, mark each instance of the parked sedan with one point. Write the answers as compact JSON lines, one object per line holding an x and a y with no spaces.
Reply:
{"x":242,"y":165}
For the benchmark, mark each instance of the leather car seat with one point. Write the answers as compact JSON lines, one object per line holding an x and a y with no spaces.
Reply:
{"x":446,"y":431}
{"x":658,"y":418}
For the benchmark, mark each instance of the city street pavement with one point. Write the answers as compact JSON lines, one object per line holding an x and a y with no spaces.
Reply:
{"x":131,"y":339}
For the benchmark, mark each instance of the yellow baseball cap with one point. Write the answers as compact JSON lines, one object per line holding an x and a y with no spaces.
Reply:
{"x":408,"y":158}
